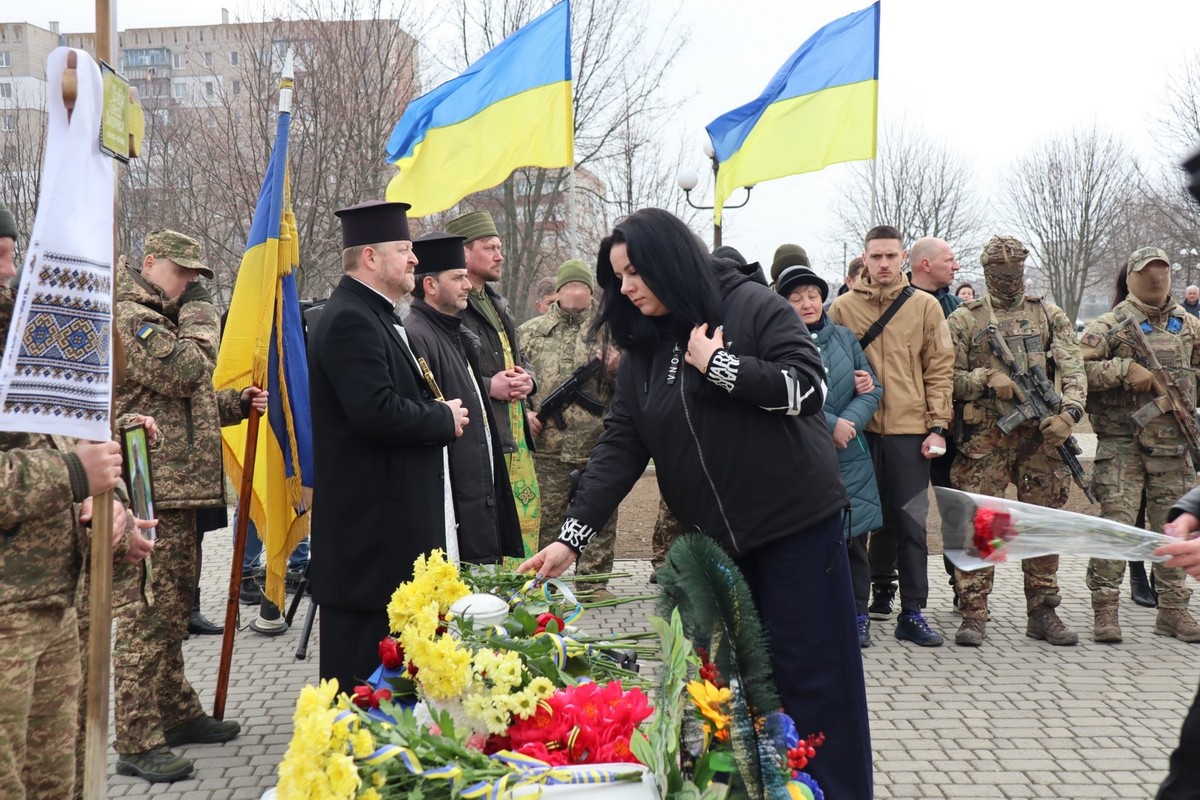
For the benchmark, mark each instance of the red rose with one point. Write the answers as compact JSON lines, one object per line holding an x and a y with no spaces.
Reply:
{"x":544,"y":620}
{"x":391,"y":653}
{"x":364,"y":696}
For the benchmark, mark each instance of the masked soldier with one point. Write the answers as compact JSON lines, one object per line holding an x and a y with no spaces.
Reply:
{"x":1137,"y":454}
{"x":1039,"y":335}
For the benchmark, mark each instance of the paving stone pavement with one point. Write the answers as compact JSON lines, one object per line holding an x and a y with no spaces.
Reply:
{"x":1016,"y":718}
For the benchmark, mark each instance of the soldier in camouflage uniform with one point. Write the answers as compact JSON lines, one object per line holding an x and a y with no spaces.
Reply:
{"x":170,"y":330}
{"x":1132,"y":458}
{"x":43,"y":549}
{"x":1037,"y":333}
{"x":556,"y":344}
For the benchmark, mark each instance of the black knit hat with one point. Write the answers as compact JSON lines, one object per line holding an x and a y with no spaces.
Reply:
{"x":439,"y":251}
{"x":374,"y":222}
{"x":793,"y":277}
{"x":725,"y":251}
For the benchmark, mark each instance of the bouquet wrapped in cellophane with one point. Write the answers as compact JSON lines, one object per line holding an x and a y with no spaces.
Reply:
{"x":980,"y":531}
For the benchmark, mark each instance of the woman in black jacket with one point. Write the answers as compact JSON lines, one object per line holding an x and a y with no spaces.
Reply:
{"x":722,"y":386}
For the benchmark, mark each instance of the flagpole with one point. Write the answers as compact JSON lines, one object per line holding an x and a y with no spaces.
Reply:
{"x":242,"y":520}
{"x":572,"y":234}
{"x":874,"y":162}
{"x":95,"y":773}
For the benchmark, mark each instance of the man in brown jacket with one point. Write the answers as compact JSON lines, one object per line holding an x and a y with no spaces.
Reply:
{"x":913,"y":358}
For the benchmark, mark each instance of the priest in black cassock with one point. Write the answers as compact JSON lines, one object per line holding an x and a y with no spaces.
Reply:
{"x":378,"y":439}
{"x":488,"y":526}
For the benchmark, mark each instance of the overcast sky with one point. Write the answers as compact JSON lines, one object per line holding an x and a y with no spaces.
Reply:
{"x":992,"y":78}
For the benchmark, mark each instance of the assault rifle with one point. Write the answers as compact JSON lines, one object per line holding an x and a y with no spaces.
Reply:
{"x":571,"y":391}
{"x":1036,"y":399}
{"x":1170,"y":399}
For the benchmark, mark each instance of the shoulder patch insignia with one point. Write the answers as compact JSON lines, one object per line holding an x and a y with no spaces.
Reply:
{"x":1090,"y":340}
{"x":158,"y":341}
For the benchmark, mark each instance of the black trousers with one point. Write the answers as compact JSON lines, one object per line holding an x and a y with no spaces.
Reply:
{"x":801,"y":587}
{"x":350,"y":644}
{"x":860,"y":572}
{"x":902,"y":474}
{"x":1183,"y":774}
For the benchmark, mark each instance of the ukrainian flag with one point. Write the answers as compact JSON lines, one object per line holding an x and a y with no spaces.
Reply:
{"x":264,"y":346}
{"x":511,"y":109}
{"x":819,"y":109}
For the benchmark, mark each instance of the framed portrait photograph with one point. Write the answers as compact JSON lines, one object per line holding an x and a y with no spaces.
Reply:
{"x":135,"y":456}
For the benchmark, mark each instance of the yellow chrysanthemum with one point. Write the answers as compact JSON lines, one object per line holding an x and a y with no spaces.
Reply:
{"x":541,"y":687}
{"x":343,"y":776}
{"x":497,"y":720}
{"x":378,"y":779}
{"x":710,"y":700}
{"x":369,"y":794}
{"x":362,"y":743}
{"x":523,"y":704}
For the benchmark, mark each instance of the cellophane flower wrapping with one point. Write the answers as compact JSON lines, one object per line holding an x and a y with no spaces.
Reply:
{"x":981,"y":531}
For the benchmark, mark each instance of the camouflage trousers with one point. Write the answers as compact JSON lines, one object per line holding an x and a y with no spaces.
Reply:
{"x":39,"y":666}
{"x":987,"y":464}
{"x":1121,"y":477}
{"x":150,"y":692}
{"x":554,"y":485}
{"x":126,"y":589}
{"x":666,"y":530}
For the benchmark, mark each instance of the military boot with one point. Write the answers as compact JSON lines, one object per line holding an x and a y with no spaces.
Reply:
{"x":1107,"y":626}
{"x":970,"y":633}
{"x":1177,"y":622}
{"x":203,"y":730}
{"x":1043,"y":622}
{"x":159,"y":765}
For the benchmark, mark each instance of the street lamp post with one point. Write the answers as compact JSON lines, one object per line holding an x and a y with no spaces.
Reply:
{"x":688,"y":179}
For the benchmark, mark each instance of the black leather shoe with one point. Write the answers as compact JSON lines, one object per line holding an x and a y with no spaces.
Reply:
{"x":1139,"y":587}
{"x":199,"y":626}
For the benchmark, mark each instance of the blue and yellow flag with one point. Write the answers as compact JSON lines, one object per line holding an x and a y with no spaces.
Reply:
{"x":511,"y":109}
{"x":819,"y":109}
{"x":263,"y":346}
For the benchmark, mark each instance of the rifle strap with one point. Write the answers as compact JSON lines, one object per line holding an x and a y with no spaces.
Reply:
{"x":879,"y":324}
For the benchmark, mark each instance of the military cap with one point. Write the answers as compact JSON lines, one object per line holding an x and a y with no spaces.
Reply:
{"x":8,"y":223}
{"x":1003,"y":250}
{"x":788,"y":255}
{"x":472,"y":226}
{"x":178,"y":247}
{"x":439,"y":251}
{"x":797,"y":276}
{"x":574,"y":270}
{"x":1146,"y":255}
{"x":374,"y":222}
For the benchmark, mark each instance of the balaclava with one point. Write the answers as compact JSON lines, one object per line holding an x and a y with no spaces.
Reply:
{"x":1003,"y":261}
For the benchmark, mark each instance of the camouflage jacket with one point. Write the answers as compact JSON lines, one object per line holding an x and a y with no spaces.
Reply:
{"x":1037,"y":332}
{"x":170,"y":355}
{"x":556,"y":344}
{"x":1174,"y":335}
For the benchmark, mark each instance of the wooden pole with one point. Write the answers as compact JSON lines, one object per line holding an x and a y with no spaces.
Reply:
{"x":99,"y":645}
{"x":235,"y":573}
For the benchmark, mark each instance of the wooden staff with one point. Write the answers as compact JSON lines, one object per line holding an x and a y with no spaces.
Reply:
{"x":95,"y":775}
{"x":235,"y":573}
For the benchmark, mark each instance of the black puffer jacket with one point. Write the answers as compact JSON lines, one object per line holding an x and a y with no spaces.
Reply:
{"x":742,"y":453}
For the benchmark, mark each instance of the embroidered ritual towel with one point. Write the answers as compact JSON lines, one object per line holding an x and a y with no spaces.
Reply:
{"x":56,"y":375}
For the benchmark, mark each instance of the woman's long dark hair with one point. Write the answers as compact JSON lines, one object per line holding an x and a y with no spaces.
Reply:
{"x":1121,"y":288}
{"x":675,"y":265}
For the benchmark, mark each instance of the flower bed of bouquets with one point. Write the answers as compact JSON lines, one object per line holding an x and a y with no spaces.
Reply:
{"x":508,"y":709}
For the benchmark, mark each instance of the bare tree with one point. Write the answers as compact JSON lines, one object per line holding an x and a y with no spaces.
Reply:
{"x":920,"y":186}
{"x":1070,"y":198}
{"x":617,"y":84}
{"x":355,"y":70}
{"x":23,"y":122}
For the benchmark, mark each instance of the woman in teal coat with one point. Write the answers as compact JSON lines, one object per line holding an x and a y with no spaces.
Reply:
{"x":852,"y":395}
